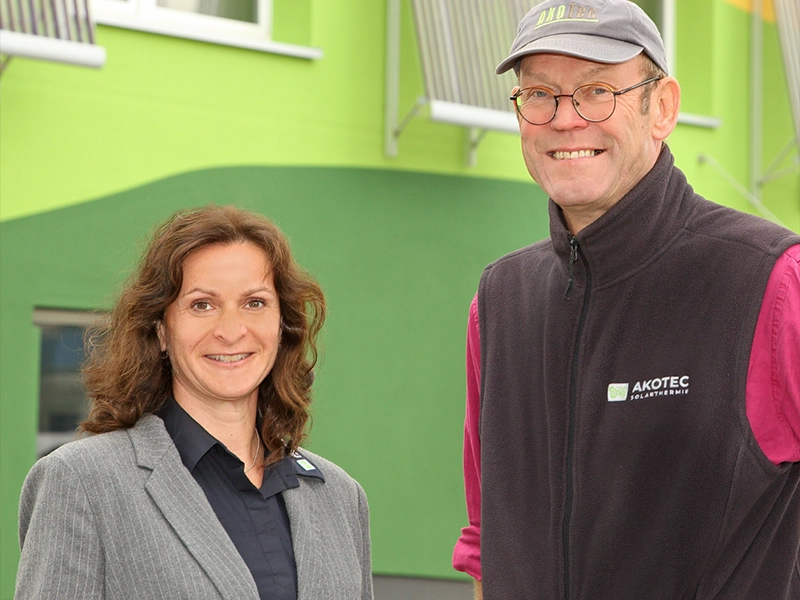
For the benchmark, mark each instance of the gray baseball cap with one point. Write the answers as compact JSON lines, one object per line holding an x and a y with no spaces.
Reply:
{"x":604,"y":31}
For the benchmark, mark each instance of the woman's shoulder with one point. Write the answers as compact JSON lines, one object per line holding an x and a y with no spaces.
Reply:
{"x":100,"y":445}
{"x":332,"y":494}
{"x":332,"y":473}
{"x":91,"y":454}
{"x":106,"y":451}
{"x":103,"y":463}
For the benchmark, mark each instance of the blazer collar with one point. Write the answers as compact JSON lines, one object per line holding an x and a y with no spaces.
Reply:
{"x":184,"y":506}
{"x":307,"y":530}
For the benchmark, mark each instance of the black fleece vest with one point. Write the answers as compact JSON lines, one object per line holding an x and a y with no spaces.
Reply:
{"x":617,"y":459}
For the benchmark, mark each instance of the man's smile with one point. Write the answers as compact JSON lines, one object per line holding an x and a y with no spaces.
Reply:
{"x":566,"y":155}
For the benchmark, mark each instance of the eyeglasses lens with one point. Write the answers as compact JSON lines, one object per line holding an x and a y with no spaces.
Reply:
{"x":593,"y":102}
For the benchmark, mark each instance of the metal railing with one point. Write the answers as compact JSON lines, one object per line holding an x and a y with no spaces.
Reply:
{"x":58,"y":30}
{"x":461,"y":42}
{"x":62,"y":19}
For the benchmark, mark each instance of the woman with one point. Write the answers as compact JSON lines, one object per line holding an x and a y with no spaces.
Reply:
{"x":196,"y":486}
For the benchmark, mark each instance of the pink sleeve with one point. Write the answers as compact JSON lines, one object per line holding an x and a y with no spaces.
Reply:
{"x":467,"y":553}
{"x":773,"y":393}
{"x":773,"y":377}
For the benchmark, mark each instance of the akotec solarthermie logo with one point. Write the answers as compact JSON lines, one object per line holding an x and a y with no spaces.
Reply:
{"x":672,"y":385}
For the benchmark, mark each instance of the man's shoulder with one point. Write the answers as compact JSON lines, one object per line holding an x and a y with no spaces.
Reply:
{"x":725,"y":224}
{"x":535,"y":253}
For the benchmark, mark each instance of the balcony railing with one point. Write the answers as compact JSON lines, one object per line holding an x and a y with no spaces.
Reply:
{"x":56,"y":30}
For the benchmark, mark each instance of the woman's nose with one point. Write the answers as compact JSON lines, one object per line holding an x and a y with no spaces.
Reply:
{"x":230,"y":326}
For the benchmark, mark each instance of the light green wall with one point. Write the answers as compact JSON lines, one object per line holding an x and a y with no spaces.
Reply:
{"x":163,"y":106}
{"x":713,"y":67}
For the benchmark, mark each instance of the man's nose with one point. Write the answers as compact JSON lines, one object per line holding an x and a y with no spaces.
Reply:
{"x":567,"y":116}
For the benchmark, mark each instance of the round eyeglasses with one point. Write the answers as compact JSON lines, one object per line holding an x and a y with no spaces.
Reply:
{"x":594,"y":102}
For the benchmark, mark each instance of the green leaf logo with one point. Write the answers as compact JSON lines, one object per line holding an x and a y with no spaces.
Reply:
{"x":617,"y":392}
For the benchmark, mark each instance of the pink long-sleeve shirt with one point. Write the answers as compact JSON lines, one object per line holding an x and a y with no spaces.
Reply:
{"x":772,"y":394}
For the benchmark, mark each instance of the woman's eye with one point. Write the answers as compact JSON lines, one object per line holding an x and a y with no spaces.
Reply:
{"x":255,"y":303}
{"x":201,"y":305}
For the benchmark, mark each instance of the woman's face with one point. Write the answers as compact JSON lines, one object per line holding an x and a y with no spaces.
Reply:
{"x":222,"y":331}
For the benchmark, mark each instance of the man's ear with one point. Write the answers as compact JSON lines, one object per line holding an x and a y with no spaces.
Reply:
{"x":514,"y":90}
{"x":665,"y":104}
{"x":162,"y":335}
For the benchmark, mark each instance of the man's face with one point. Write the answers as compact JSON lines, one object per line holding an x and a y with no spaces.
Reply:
{"x":613,"y":154}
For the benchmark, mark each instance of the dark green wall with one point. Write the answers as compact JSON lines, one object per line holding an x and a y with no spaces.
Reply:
{"x":398,"y":255}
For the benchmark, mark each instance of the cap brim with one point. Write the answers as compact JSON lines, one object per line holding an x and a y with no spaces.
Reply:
{"x":590,"y":47}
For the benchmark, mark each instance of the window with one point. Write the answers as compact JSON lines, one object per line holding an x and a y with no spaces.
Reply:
{"x":62,"y":398}
{"x":237,"y":10}
{"x":241,"y":23}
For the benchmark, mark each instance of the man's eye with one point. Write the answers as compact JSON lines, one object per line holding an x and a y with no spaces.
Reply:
{"x":597,"y":90}
{"x":538,"y":94}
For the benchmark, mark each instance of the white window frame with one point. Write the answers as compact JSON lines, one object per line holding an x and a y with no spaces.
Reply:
{"x":146,"y":15}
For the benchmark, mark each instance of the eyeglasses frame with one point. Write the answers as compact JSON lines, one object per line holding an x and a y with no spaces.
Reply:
{"x":571,"y":96}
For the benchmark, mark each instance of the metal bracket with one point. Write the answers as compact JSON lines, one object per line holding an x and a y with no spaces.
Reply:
{"x":4,"y":60}
{"x":392,"y":77}
{"x":474,"y":137}
{"x":394,"y":133}
{"x":772,"y":173}
{"x":743,"y":191}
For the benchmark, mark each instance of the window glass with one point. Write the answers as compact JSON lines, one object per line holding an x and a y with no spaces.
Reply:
{"x":238,"y":10}
{"x":62,"y":399}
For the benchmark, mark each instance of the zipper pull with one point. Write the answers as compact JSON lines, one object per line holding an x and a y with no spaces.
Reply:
{"x":573,"y":256}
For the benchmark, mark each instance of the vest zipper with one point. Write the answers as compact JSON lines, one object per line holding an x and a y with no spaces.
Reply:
{"x":572,"y":405}
{"x":573,"y":256}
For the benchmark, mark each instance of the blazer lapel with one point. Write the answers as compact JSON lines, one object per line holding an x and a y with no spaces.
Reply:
{"x":305,"y":524}
{"x":184,"y":506}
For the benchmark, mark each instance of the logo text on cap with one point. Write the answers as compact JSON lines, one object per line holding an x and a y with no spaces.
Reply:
{"x":555,"y":14}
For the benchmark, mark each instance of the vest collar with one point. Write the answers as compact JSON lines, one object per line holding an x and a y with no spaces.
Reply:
{"x":632,"y":231}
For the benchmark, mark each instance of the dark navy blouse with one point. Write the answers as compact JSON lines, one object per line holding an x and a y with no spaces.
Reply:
{"x":254,"y":518}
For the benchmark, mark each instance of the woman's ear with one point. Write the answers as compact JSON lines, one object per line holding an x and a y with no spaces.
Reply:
{"x":665,"y":105}
{"x":162,"y":336}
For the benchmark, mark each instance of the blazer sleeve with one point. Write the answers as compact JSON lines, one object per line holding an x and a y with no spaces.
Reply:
{"x":62,"y":555}
{"x":365,"y":551}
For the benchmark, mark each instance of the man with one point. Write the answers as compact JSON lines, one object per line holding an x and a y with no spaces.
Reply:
{"x":633,"y":389}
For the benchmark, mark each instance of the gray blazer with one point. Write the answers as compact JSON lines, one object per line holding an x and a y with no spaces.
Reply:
{"x":118,"y":516}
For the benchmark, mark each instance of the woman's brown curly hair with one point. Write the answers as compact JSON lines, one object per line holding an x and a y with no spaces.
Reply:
{"x":125,"y":374}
